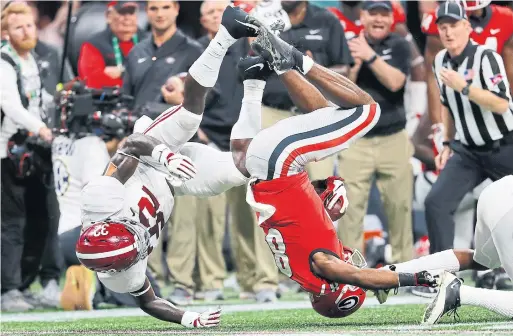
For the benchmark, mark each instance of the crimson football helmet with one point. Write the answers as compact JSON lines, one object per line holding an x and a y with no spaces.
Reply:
{"x":113,"y":245}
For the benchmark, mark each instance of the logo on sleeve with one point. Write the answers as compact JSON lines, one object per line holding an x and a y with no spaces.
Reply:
{"x":498,"y":78}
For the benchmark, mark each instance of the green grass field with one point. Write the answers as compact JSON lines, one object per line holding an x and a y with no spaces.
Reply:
{"x":392,"y":319}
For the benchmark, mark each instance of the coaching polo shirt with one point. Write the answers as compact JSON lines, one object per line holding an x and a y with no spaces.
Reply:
{"x":320,"y":33}
{"x":394,"y":50}
{"x":148,"y":67}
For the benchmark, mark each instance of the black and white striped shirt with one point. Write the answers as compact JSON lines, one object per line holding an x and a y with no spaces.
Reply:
{"x":483,"y":68}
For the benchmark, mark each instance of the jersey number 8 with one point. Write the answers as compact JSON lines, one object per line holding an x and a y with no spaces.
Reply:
{"x":275,"y":241}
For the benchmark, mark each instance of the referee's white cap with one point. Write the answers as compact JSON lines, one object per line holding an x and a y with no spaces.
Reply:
{"x":451,"y":9}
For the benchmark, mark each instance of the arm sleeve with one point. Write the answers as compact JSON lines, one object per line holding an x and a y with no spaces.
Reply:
{"x":216,"y":171}
{"x":493,"y":74}
{"x":91,"y":66}
{"x":11,"y":102}
{"x":339,"y":50}
{"x":401,"y":56}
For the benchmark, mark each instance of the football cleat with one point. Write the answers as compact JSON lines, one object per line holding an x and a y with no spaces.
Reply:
{"x":254,"y":67}
{"x":447,"y":300}
{"x":238,"y":23}
{"x":281,"y":55}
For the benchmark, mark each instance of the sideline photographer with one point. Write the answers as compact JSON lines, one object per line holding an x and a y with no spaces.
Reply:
{"x":28,"y":205}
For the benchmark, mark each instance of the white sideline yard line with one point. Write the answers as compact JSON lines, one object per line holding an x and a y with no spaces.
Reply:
{"x":230,"y":308}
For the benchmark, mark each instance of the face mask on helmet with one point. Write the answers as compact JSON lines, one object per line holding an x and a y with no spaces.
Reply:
{"x":341,"y":303}
{"x":354,"y":257}
{"x":113,"y":245}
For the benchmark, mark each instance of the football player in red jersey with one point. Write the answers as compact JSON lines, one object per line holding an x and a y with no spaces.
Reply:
{"x":492,"y":26}
{"x":415,"y":90}
{"x":298,"y":229}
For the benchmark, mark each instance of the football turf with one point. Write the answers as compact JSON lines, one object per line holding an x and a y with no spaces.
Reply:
{"x":400,"y":319}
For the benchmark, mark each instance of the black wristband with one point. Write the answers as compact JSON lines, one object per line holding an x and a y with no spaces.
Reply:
{"x":372,"y":60}
{"x":446,"y":143}
{"x":407,"y":279}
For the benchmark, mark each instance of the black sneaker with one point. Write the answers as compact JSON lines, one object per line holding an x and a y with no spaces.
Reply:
{"x":447,"y":300}
{"x":281,"y":55}
{"x":254,"y":67}
{"x":238,"y":23}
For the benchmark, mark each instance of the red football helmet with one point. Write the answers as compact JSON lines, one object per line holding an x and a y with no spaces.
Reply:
{"x":475,"y":5}
{"x":113,"y":245}
{"x":341,"y":303}
{"x":332,"y":192}
{"x":346,"y":299}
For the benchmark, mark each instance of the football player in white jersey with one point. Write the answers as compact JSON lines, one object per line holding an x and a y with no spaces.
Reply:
{"x":124,"y":211}
{"x":493,"y":248}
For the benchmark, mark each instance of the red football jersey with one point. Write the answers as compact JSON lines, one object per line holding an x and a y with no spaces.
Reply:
{"x":494,"y":35}
{"x":297,"y":228}
{"x":352,"y":29}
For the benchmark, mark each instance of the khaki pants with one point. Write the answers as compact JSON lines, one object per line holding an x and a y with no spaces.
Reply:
{"x":387,"y":159}
{"x":316,"y":170}
{"x":256,"y":269}
{"x":210,"y":231}
{"x":195,"y":237}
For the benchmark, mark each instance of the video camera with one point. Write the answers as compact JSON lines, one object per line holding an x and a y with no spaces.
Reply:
{"x":82,"y":111}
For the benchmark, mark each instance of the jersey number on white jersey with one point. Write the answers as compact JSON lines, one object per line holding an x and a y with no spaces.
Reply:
{"x":149,"y":215}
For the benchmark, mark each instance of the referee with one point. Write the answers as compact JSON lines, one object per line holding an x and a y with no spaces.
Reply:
{"x":477,"y":113}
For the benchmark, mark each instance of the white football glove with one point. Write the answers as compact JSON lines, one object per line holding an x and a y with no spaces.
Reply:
{"x":206,"y":319}
{"x":438,"y":136}
{"x":179,"y":166}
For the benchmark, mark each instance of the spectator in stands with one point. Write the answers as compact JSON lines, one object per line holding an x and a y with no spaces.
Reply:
{"x":102,"y":58}
{"x":51,"y":20}
{"x":382,"y":61}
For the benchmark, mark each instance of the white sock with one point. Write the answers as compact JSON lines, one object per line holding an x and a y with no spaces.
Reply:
{"x":445,"y":260}
{"x":500,"y":302}
{"x":206,"y":68}
{"x":249,"y":123}
{"x":308,"y":64}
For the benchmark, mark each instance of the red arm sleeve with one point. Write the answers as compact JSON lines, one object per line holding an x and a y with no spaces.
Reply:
{"x":90,"y":68}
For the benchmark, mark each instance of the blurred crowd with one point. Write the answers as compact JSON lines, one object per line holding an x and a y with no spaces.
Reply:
{"x":145,"y":48}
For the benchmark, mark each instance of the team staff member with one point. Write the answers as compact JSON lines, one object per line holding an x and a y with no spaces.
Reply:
{"x":382,"y":64}
{"x":102,"y":57}
{"x":477,"y":114}
{"x":415,"y":90}
{"x":491,"y":26}
{"x":166,"y":53}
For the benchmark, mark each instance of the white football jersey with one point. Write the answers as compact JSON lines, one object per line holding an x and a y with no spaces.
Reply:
{"x":75,"y":162}
{"x":146,"y":198}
